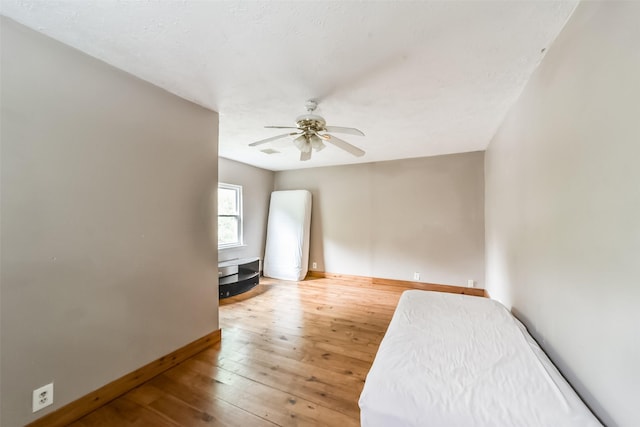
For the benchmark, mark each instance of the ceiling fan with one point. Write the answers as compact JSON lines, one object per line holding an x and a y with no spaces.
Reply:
{"x":312,"y":132}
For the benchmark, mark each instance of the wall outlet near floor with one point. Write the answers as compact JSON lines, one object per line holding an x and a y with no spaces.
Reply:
{"x":416,"y":276}
{"x":471,"y":283}
{"x":42,"y":397}
{"x":314,"y":265}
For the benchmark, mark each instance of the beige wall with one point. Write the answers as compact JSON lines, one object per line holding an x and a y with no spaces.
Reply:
{"x":108,"y":244}
{"x":563,"y":207}
{"x":391,"y":219}
{"x":257,"y":185}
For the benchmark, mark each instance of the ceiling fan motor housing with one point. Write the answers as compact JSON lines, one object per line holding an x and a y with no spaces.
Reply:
{"x":311,"y":122}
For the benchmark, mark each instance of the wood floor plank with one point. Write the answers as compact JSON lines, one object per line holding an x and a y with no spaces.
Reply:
{"x":282,"y":408}
{"x":292,"y":354}
{"x":336,"y":339}
{"x":248,"y":341}
{"x":309,"y":387}
{"x":124,"y":412}
{"x":263,"y":360}
{"x":220,"y":410}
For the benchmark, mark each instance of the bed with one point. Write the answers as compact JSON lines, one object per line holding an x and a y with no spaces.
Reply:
{"x":458,"y":360}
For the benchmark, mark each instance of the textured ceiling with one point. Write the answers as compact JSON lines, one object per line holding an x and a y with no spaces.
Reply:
{"x":419,"y":78}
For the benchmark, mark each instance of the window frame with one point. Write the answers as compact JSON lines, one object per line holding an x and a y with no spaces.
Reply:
{"x":238,"y":215}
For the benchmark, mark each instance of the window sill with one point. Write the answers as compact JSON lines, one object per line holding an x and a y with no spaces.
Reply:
{"x":225,"y":248}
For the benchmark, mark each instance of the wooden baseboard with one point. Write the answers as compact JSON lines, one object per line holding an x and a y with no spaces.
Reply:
{"x":97,"y":398}
{"x":404,"y":283}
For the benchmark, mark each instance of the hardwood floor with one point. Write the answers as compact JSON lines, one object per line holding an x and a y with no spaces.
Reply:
{"x":291,"y":354}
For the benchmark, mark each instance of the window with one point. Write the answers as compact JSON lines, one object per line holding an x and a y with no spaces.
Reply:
{"x":229,"y":215}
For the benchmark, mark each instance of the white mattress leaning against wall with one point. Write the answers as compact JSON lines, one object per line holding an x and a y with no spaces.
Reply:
{"x":458,"y":360}
{"x":288,"y":230}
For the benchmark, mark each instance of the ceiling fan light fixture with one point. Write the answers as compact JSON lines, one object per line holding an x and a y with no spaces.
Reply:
{"x":316,"y":143}
{"x":300,"y":142}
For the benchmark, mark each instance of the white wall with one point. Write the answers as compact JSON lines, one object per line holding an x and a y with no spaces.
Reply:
{"x":108,"y":245}
{"x":563,"y":207}
{"x":391,"y":219}
{"x":257,"y":185}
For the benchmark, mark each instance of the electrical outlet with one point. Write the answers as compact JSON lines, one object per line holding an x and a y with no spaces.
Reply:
{"x":42,"y":397}
{"x":314,"y":265}
{"x":471,"y":283}
{"x":416,"y":276}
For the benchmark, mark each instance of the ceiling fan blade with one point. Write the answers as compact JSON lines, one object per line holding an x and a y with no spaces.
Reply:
{"x":340,"y":129}
{"x":273,"y":138}
{"x":345,"y":146}
{"x":281,"y":127}
{"x":305,"y":155}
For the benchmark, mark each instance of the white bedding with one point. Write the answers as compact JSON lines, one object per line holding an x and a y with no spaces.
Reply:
{"x":286,"y":254}
{"x":457,"y":360}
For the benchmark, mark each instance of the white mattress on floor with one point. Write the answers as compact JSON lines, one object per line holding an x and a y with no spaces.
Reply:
{"x":457,"y":360}
{"x":286,"y":254}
